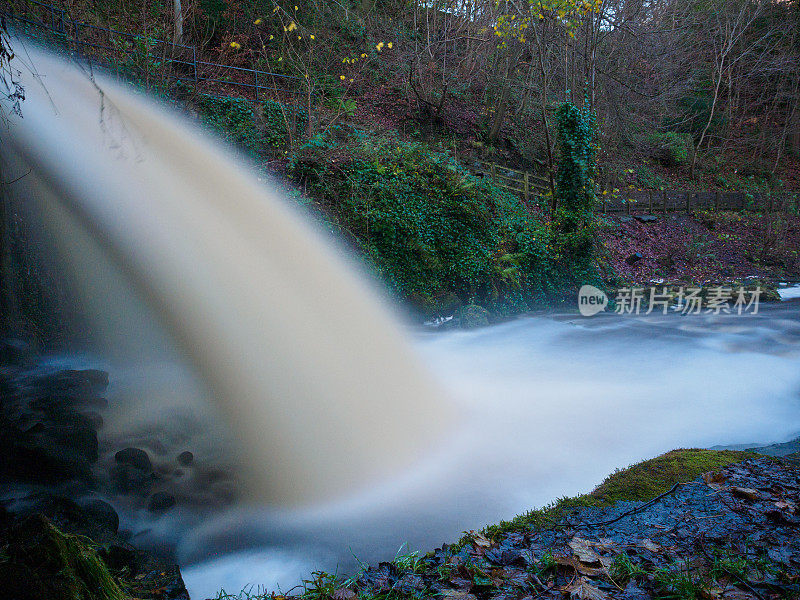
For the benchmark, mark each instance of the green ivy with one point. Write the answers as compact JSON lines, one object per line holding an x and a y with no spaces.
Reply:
{"x":234,"y":119}
{"x":439,"y":236}
{"x":574,"y":222}
{"x":279,"y":119}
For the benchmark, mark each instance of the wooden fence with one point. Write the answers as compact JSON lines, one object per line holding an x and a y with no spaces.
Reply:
{"x":665,"y":201}
{"x":524,"y":183}
{"x":528,"y":184}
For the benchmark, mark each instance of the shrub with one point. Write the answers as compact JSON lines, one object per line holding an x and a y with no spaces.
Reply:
{"x":671,"y":149}
{"x":437,"y":235}
{"x":234,"y":119}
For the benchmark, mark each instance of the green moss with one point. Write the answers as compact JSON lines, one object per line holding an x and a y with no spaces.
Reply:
{"x":56,"y":565}
{"x":640,"y":482}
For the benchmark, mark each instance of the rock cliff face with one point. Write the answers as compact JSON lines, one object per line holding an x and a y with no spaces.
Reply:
{"x":60,"y":541}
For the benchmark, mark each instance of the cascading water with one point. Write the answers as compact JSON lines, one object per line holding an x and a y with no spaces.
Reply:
{"x":158,"y":224}
{"x":178,"y":252}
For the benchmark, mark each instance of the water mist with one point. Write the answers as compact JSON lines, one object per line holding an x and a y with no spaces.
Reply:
{"x":167,"y":238}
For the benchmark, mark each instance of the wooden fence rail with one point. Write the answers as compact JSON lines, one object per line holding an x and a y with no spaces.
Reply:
{"x":528,"y":184}
{"x":523,"y":183}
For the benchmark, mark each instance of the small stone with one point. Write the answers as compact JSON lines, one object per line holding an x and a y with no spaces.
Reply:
{"x":160,"y":502}
{"x":185,"y":458}
{"x":135,"y":457}
{"x":634,"y":258}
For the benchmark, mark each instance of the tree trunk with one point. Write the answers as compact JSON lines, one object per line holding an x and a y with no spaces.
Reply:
{"x":178,"y":37}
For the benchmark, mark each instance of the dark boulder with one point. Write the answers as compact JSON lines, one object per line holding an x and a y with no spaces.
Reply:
{"x":135,"y":457}
{"x":61,"y":446}
{"x":185,"y":458}
{"x":160,"y":502}
{"x":102,"y":513}
{"x":646,"y":218}
{"x":472,"y":315}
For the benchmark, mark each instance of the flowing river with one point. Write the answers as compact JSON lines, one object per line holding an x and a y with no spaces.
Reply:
{"x":549,"y":406}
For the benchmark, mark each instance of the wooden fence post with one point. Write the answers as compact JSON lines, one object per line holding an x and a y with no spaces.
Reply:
{"x":650,"y":199}
{"x":688,"y":202}
{"x":493,"y":171}
{"x":527,"y":186}
{"x":716,"y":201}
{"x":664,"y":200}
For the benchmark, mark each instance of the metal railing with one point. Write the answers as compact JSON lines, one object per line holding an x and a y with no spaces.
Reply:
{"x":148,"y":57}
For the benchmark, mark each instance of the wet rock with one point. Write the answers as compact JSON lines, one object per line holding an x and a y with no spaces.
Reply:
{"x":118,"y":557}
{"x":634,"y":258}
{"x":634,"y":592}
{"x":472,"y":316}
{"x":185,"y":458}
{"x":102,"y":513}
{"x":14,"y":352}
{"x":160,"y":502}
{"x":409,"y":584}
{"x":62,"y":445}
{"x":130,"y":480}
{"x":646,"y":218}
{"x":95,"y":419}
{"x":134,"y":457}
{"x":625,"y":219}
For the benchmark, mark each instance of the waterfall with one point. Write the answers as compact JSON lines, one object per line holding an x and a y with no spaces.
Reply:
{"x":165,"y":236}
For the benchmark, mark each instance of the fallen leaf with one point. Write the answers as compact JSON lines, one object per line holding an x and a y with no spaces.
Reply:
{"x":572,"y":562}
{"x":582,"y":550}
{"x":583,"y":590}
{"x":746,"y":493}
{"x":480,"y":540}
{"x":649,"y":544}
{"x":714,"y":477}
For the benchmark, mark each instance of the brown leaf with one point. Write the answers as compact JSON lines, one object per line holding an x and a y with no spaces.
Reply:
{"x":574,"y":563}
{"x":582,"y":550}
{"x":583,"y":590}
{"x":714,"y":477}
{"x":649,"y":544}
{"x":746,"y":493}
{"x":457,"y":595}
{"x":480,"y":540}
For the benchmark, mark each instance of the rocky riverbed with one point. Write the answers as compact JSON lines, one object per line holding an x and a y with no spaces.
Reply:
{"x":655,"y":530}
{"x":58,"y":538}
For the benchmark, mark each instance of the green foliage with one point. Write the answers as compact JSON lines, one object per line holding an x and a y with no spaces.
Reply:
{"x":437,"y":235}
{"x":672,"y":149}
{"x":234,"y":119}
{"x":281,"y":120}
{"x":623,"y":569}
{"x":648,"y":180}
{"x":574,"y":221}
